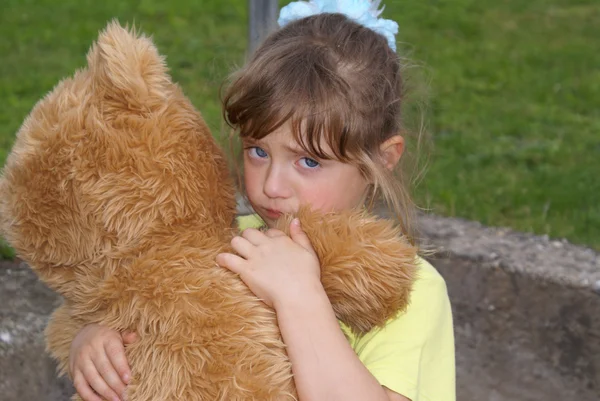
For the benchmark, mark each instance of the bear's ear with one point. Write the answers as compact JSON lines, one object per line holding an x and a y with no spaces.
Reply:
{"x":127,"y":68}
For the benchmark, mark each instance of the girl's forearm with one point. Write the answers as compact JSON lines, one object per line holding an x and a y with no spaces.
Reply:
{"x":324,"y":364}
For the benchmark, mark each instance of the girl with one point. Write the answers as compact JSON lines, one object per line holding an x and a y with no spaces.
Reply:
{"x":317,"y":109}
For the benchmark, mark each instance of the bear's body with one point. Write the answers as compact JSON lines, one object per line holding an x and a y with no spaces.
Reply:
{"x":118,"y":197}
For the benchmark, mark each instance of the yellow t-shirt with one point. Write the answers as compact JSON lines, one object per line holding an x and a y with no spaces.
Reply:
{"x":413,"y":354}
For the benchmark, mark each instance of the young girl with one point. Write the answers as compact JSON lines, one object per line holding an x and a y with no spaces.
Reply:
{"x":318,"y":111}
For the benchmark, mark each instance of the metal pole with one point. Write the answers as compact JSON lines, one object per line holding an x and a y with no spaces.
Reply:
{"x":262,"y":15}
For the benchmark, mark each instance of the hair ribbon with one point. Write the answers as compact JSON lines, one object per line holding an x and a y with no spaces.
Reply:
{"x":364,"y":12}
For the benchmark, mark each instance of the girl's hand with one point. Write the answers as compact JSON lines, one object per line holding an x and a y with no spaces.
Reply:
{"x":97,"y":363}
{"x":274,"y":266}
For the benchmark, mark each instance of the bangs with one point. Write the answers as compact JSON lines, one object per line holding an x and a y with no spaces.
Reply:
{"x":313,"y":100}
{"x":316,"y":128}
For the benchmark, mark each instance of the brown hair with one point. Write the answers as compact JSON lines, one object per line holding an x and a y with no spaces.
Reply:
{"x":335,"y":81}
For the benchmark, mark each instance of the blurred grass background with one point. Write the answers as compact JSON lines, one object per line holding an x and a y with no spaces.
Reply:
{"x":512,"y":86}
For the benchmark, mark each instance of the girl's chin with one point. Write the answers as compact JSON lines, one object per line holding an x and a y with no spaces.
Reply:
{"x":270,"y":222}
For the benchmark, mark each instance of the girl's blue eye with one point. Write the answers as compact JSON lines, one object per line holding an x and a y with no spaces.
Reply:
{"x":308,"y":162}
{"x":255,"y":151}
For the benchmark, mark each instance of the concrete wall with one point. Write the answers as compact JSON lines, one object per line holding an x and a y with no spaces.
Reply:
{"x":526,"y":311}
{"x":26,"y":372}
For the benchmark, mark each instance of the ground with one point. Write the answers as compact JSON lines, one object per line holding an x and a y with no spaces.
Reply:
{"x":525,"y":317}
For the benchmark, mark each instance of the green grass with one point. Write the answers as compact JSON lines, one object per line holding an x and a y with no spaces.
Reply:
{"x":514,"y":91}
{"x":515,"y":111}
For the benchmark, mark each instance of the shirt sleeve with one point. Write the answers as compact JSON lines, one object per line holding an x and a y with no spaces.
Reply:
{"x":413,"y":354}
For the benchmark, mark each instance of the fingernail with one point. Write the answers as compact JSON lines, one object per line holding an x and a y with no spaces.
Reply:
{"x":126,"y":378}
{"x":296,"y":222}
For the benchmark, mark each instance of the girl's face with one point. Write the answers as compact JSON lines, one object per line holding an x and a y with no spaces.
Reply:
{"x":280,"y":177}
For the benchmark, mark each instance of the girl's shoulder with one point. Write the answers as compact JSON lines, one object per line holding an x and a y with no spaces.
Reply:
{"x":413,"y":353}
{"x":428,"y":280}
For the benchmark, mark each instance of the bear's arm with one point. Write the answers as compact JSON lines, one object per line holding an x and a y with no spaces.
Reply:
{"x":60,"y":333}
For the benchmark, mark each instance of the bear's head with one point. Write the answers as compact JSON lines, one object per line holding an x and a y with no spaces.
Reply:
{"x":111,"y":158}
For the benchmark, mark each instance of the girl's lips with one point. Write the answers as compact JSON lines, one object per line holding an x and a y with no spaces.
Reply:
{"x":273,"y":214}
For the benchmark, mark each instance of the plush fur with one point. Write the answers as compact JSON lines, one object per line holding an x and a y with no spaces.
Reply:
{"x":117,"y":196}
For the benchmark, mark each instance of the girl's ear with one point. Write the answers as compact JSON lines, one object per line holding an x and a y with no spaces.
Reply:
{"x":391,"y":150}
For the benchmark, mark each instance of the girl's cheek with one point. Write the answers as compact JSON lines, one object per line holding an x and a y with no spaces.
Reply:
{"x":318,"y":200}
{"x":251,"y":180}
{"x":329,"y":198}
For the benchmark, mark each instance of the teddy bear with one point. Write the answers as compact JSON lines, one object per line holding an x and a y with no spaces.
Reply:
{"x":118,"y":197}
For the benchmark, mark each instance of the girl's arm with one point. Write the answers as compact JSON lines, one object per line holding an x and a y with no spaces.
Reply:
{"x":284,"y":272}
{"x":324,"y":364}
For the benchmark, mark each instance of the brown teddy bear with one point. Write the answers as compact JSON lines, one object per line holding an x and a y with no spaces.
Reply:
{"x":118,"y":197}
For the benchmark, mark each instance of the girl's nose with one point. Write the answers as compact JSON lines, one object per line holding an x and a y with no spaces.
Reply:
{"x":276,"y":185}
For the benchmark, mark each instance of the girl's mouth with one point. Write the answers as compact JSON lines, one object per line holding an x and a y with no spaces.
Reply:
{"x":273,"y":214}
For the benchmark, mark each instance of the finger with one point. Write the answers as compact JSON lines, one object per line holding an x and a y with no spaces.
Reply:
{"x":110,"y":375}
{"x":97,"y":383}
{"x":299,"y":236}
{"x":83,"y":388}
{"x":231,"y":262}
{"x":274,"y":233}
{"x":118,"y":363}
{"x":72,"y":367}
{"x":242,"y":246}
{"x":129,"y":337}
{"x":254,"y":236}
